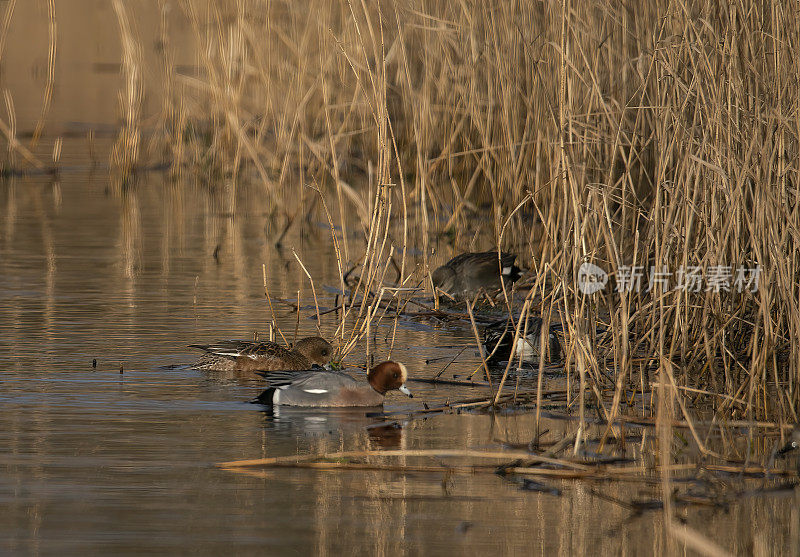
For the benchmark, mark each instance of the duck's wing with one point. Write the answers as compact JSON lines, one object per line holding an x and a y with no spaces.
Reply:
{"x":280,"y":377}
{"x":236,"y":348}
{"x":318,"y":382}
{"x":461,"y":258}
{"x":264,"y":349}
{"x":231,"y":348}
{"x":486,"y":268}
{"x":497,"y":331}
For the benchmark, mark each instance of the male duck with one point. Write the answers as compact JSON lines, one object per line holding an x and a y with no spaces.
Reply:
{"x":501,"y":335}
{"x":465,"y":275}
{"x":241,"y":355}
{"x":330,"y":389}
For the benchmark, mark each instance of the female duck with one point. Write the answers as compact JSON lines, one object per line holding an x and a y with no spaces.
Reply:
{"x":240,"y":355}
{"x":330,"y":389}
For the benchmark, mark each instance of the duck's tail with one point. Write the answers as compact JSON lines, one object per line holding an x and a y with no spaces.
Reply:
{"x":266,"y":398}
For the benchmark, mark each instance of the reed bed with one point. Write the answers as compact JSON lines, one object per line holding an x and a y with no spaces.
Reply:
{"x":660,"y":140}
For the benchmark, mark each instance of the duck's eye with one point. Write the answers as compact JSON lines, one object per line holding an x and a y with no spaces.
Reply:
{"x":395,"y":375}
{"x":324,"y":351}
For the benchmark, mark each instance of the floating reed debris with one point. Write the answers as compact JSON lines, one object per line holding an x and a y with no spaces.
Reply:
{"x":521,"y":463}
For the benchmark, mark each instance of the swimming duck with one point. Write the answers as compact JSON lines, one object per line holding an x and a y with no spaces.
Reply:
{"x":241,"y":355}
{"x":329,"y":389}
{"x":502,"y":333}
{"x":466,"y":274}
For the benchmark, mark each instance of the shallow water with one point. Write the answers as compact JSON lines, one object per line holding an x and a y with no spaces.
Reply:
{"x":121,"y":458}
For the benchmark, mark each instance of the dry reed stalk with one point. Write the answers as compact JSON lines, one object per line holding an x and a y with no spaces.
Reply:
{"x":297,"y":319}
{"x":6,"y":24}
{"x":313,"y":289}
{"x":429,"y":453}
{"x":273,"y":325}
{"x":478,"y":342}
{"x":521,"y":323}
{"x":125,"y":154}
{"x":695,"y":540}
{"x":10,"y":132}
{"x":339,"y":256}
{"x":52,"y":41}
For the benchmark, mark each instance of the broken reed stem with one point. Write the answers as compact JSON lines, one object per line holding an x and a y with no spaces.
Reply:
{"x":273,"y":323}
{"x":523,"y":464}
{"x":430,"y":453}
{"x":18,"y":147}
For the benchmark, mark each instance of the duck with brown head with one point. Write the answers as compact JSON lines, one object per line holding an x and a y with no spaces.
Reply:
{"x":332,"y":389}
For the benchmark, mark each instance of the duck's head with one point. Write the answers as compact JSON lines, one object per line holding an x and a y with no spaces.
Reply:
{"x":388,"y":376}
{"x":316,"y":349}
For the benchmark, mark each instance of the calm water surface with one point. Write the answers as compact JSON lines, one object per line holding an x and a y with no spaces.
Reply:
{"x":93,"y":459}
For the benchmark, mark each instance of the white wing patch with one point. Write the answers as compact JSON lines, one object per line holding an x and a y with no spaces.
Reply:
{"x":227,"y":352}
{"x":525,"y":349}
{"x":506,"y":271}
{"x":315,"y":391}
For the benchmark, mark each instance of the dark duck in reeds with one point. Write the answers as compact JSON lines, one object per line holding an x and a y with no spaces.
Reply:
{"x":334,"y":389}
{"x":466,"y":275}
{"x":241,"y":355}
{"x":498,"y":340}
{"x":793,"y":444}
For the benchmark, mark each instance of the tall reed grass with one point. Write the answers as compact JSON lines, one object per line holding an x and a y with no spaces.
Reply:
{"x":661,"y":135}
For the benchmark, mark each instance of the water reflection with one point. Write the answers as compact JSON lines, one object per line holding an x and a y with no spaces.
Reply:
{"x":98,"y":460}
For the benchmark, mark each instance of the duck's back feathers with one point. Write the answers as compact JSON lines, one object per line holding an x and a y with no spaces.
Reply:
{"x":321,"y":389}
{"x":240,"y":355}
{"x":499,"y":337}
{"x":466,"y":274}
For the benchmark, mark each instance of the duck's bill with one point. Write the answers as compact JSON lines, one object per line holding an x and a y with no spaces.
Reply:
{"x":403,"y":389}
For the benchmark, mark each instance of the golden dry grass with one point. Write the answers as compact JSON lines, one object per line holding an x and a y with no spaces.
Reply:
{"x":658,"y":135}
